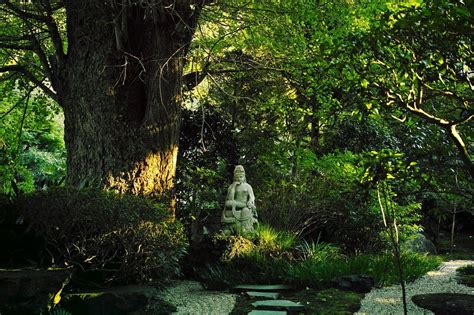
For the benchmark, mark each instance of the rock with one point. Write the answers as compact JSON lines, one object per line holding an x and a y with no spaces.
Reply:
{"x":279,"y":305}
{"x":356,"y":283}
{"x":27,"y":291}
{"x":446,"y":303}
{"x":264,"y":312}
{"x":420,"y":244}
{"x":467,"y":280}
{"x":264,"y":287}
{"x":268,"y":295}
{"x":133,"y":299}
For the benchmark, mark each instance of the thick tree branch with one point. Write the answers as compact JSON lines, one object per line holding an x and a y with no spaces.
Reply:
{"x":31,"y":78}
{"x":54,"y":31}
{"x":193,"y":79}
{"x":462,"y":148}
{"x":4,"y":114}
{"x":464,"y":119}
{"x":449,"y":126}
{"x":47,"y":20}
{"x":10,"y":68}
{"x":428,"y":117}
{"x":9,"y":45}
{"x":23,"y":14}
{"x":42,"y":57}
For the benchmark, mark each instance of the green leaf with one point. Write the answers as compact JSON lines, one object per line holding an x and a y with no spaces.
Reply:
{"x":364,"y":83}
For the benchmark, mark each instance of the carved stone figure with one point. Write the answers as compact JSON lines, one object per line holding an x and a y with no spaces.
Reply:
{"x":239,"y":210}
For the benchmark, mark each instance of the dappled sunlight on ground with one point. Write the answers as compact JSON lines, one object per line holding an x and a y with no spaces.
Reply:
{"x":387,"y":300}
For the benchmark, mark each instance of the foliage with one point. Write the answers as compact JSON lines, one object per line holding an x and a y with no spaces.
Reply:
{"x":32,"y":152}
{"x":300,"y":104}
{"x":60,"y":311}
{"x":320,"y":101}
{"x":415,"y":66}
{"x":121,"y":238}
{"x":273,"y":240}
{"x":302,"y":264}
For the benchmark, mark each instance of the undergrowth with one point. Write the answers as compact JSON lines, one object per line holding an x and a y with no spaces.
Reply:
{"x":270,"y":256}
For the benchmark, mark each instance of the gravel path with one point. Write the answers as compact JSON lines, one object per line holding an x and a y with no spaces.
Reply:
{"x":389,"y":301}
{"x":190,"y":298}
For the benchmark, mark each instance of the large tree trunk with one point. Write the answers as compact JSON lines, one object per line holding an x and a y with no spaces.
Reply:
{"x":120,"y":87}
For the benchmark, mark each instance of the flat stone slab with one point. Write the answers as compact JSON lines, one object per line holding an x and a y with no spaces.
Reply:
{"x":264,"y":312}
{"x":279,"y":305}
{"x":355,"y":283}
{"x":446,"y":303}
{"x":265,"y":287}
{"x":116,"y":300}
{"x":268,"y":295}
{"x":27,"y":291}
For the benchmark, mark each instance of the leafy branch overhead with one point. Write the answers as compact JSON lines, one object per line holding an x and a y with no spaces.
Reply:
{"x":418,"y":63}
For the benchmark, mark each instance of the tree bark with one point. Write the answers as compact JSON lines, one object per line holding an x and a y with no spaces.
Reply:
{"x":120,"y":87}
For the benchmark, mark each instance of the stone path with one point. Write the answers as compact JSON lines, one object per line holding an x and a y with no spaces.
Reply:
{"x":269,"y":303}
{"x":191,"y":298}
{"x":389,"y":301}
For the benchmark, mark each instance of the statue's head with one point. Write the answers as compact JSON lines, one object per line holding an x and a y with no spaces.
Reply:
{"x":239,"y":174}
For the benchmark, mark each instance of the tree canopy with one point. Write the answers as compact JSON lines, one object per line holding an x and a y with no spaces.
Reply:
{"x":315,"y":98}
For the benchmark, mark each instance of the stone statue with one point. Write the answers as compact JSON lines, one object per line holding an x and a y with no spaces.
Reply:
{"x":239,"y":210}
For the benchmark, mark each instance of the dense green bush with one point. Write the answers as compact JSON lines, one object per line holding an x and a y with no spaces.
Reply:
{"x":122,"y":238}
{"x":301,"y":263}
{"x":324,"y":200}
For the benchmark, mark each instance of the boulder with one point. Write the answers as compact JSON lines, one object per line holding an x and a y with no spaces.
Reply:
{"x":420,"y":244}
{"x":262,"y":287}
{"x":446,"y":303}
{"x":132,"y":299}
{"x":258,"y":294}
{"x":355,"y":283}
{"x":28,"y":291}
{"x":280,"y":305}
{"x":266,"y":312}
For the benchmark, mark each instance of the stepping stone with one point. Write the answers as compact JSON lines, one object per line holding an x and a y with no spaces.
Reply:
{"x":279,"y":305}
{"x":268,"y":295}
{"x":446,"y":303}
{"x":263,"y":312}
{"x":266,"y":287}
{"x":356,"y":283}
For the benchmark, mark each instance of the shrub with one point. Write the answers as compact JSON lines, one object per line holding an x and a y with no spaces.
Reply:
{"x":269,"y":239}
{"x":324,"y":200}
{"x":318,"y":252}
{"x":259,"y":258}
{"x":382,"y":266}
{"x":126,"y":239}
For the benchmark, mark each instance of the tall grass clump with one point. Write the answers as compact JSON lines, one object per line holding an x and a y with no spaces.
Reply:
{"x":317,"y":265}
{"x":383,"y":269}
{"x":267,"y":238}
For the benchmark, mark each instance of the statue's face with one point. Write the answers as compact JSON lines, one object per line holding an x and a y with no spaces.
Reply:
{"x":239,"y":177}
